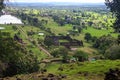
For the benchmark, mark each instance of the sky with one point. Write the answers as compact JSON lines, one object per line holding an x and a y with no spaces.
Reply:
{"x":80,"y":1}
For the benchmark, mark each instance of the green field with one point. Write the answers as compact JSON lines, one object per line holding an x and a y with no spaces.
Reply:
{"x":99,"y":33}
{"x":93,"y":69}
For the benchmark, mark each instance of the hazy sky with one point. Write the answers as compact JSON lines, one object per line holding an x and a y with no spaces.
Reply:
{"x":81,"y":1}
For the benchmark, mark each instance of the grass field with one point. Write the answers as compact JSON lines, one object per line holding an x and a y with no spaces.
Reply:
{"x":55,"y":28}
{"x":98,"y":33}
{"x":93,"y":69}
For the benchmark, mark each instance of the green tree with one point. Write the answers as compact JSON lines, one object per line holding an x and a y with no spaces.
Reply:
{"x":79,"y":29}
{"x":17,"y":58}
{"x":94,"y":38}
{"x":104,"y":42}
{"x":61,"y":51}
{"x":113,"y":52}
{"x":55,"y":52}
{"x":88,"y":37}
{"x":48,"y":42}
{"x":114,"y":6}
{"x":1,"y":5}
{"x":81,"y":56}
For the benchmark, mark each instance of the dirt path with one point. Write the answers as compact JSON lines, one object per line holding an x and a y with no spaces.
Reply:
{"x":30,"y":39}
{"x":44,"y":50}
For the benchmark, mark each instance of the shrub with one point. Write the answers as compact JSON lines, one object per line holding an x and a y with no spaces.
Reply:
{"x":48,"y":42}
{"x":113,"y":52}
{"x":61,"y":51}
{"x":88,"y":37}
{"x":81,"y":56}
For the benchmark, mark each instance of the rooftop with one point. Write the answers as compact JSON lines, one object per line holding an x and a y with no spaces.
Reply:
{"x":9,"y":19}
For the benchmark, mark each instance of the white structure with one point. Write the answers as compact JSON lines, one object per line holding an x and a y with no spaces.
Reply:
{"x":9,"y":19}
{"x":2,"y":28}
{"x":41,"y":34}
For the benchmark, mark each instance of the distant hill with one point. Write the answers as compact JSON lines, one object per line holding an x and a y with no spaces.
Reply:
{"x":55,"y":4}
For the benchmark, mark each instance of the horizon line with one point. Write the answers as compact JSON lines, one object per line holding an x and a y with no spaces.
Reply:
{"x":60,"y":2}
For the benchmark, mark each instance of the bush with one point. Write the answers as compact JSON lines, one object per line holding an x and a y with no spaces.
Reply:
{"x":48,"y":42}
{"x":81,"y":56}
{"x":88,"y":37}
{"x":113,"y":52}
{"x":61,"y":51}
{"x":94,"y":38}
{"x":112,"y":74}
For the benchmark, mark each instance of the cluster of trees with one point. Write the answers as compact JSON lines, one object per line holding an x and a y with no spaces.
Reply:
{"x":59,"y":20}
{"x":98,"y":20}
{"x":66,"y":19}
{"x":31,"y":19}
{"x":108,"y":46}
{"x":48,"y":42}
{"x":63,"y":52}
{"x":76,"y":29}
{"x":15,"y":59}
{"x":88,"y":37}
{"x":104,"y":42}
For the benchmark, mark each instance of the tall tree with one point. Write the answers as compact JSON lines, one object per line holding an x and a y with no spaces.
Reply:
{"x":1,"y":4}
{"x":88,"y":37}
{"x":114,"y":6}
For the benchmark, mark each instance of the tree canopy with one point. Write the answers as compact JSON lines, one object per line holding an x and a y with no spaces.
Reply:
{"x":1,"y":4}
{"x":113,"y":52}
{"x":15,"y":58}
{"x":114,"y":6}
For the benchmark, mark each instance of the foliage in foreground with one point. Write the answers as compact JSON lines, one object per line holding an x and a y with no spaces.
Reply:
{"x":1,"y":5}
{"x":14,"y":58}
{"x":93,"y":67}
{"x":114,"y":6}
{"x":113,"y":74}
